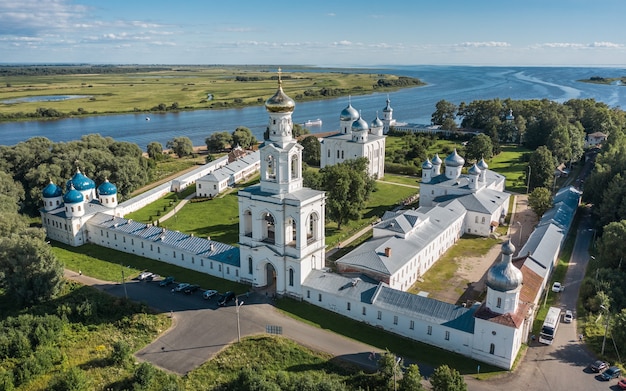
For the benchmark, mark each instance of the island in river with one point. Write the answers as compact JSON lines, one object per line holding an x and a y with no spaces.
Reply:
{"x":32,"y":92}
{"x":606,"y":80}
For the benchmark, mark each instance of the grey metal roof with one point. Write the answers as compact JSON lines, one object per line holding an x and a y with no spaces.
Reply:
{"x":361,"y":291}
{"x":401,"y":221}
{"x":201,"y":247}
{"x":427,"y":309}
{"x":483,"y":201}
{"x":303,"y":194}
{"x":543,"y":244}
{"x":370,"y":256}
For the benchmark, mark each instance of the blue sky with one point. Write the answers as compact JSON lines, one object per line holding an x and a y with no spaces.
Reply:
{"x":320,"y":32}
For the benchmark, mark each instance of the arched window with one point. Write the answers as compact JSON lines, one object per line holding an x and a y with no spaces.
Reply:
{"x":295,"y":167}
{"x":269,"y":229}
{"x":249,"y":265}
{"x":291,"y":234}
{"x":312,"y":229}
{"x":270,"y":168}
{"x":290,"y":277}
{"x":499,"y":302}
{"x":247,"y":223}
{"x":492,"y":349}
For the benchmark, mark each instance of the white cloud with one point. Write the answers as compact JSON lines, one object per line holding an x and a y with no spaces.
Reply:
{"x":491,"y":44}
{"x":573,"y":45}
{"x":606,"y":45}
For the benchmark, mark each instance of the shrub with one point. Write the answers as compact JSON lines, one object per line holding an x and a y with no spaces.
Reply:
{"x":121,"y":353}
{"x":72,"y":380}
{"x":144,"y":375}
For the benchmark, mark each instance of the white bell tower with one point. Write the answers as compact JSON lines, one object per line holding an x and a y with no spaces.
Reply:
{"x":281,"y":223}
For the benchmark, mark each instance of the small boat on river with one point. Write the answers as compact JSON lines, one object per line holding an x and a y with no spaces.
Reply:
{"x":313,"y":122}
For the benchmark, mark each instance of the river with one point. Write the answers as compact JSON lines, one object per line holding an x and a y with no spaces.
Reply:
{"x":413,"y":105}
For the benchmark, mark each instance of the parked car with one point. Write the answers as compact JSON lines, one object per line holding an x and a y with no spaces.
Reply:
{"x":209,"y":293}
{"x":598,"y":366}
{"x":557,"y":287}
{"x":567,"y":318}
{"x":166,"y":281}
{"x":610,"y":373}
{"x":622,"y":383}
{"x":145,"y":276}
{"x":191,"y":289}
{"x":225,"y":298}
{"x":180,"y":287}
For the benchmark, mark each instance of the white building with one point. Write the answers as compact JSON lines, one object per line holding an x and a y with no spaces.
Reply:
{"x":228,"y":175}
{"x":357,"y":138}
{"x":281,"y":223}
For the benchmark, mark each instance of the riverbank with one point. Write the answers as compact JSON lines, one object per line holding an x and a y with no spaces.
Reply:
{"x":179,"y":89}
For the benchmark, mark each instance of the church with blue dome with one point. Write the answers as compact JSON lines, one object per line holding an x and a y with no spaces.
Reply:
{"x":64,"y":214}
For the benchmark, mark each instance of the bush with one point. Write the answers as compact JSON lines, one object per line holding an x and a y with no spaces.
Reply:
{"x":121,"y":353}
{"x":144,"y":375}
{"x":72,"y":380}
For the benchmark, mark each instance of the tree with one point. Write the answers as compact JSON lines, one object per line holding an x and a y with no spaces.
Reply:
{"x":155,"y":151}
{"x":243,"y":137}
{"x":542,"y":166}
{"x":411,"y":380}
{"x":479,"y":147}
{"x":181,"y":146}
{"x":389,"y":368}
{"x":312,"y":150}
{"x":218,"y":141}
{"x":559,"y":143}
{"x":348,"y":188}
{"x":447,"y":379}
{"x":612,"y":246}
{"x":29,"y":270}
{"x":540,"y":200}
{"x":619,"y":328}
{"x":299,"y":130}
{"x":444,"y":115}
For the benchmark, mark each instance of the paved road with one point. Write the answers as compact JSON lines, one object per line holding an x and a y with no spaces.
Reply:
{"x":201,"y":329}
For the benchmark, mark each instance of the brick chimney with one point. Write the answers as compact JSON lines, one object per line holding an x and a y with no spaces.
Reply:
{"x":387,"y":252}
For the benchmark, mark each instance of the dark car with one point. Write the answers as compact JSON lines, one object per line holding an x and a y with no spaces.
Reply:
{"x":610,"y":373}
{"x":225,"y":298}
{"x":191,"y":289}
{"x":166,"y":281}
{"x":598,"y":366}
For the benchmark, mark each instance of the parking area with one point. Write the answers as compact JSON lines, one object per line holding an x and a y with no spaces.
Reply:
{"x":201,"y":328}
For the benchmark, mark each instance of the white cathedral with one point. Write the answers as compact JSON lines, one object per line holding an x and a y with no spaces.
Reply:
{"x":282,"y":242}
{"x":357,"y":138}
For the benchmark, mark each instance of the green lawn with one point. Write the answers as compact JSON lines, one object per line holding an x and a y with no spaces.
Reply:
{"x":108,"y":264}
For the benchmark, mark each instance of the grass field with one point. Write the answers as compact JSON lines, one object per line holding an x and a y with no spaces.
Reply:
{"x":187,"y":86}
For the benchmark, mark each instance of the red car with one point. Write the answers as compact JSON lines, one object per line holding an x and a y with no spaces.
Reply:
{"x":622,"y":383}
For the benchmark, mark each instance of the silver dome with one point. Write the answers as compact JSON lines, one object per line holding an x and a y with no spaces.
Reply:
{"x":482,"y":164}
{"x":437,"y":160}
{"x":427,"y":165}
{"x":474,"y":170}
{"x":503,"y":276}
{"x":377,"y":123}
{"x":360,"y":125}
{"x":349,"y":114}
{"x":454,"y":160}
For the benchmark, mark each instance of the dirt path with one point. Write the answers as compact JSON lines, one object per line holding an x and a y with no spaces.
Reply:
{"x":469,"y":278}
